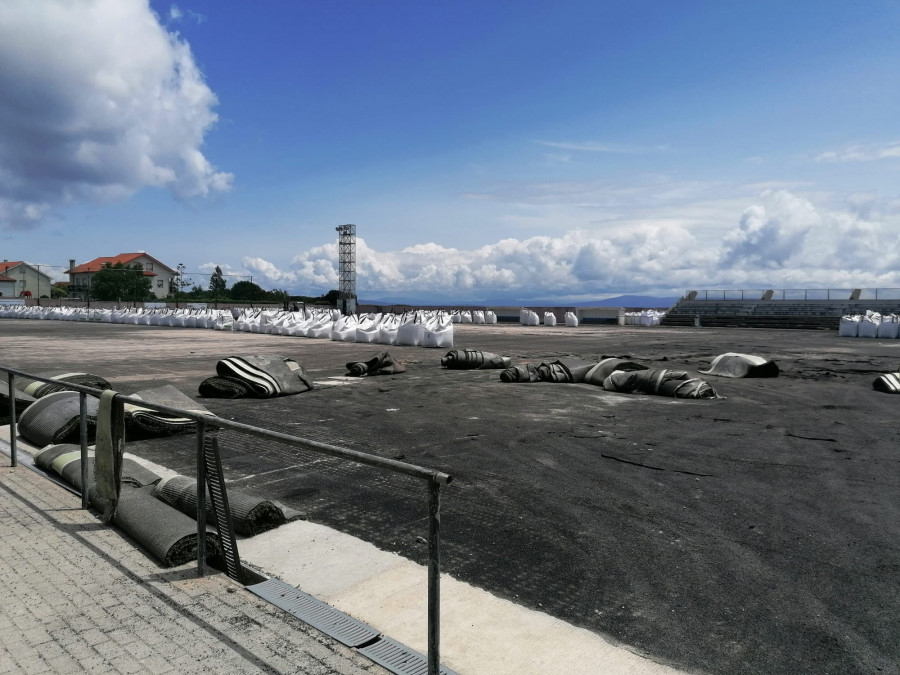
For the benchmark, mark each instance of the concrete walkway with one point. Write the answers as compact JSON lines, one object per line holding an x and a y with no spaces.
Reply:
{"x":80,"y":597}
{"x":480,"y":633}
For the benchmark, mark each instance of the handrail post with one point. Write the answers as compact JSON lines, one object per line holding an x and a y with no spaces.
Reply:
{"x":85,"y":488}
{"x":201,"y":500}
{"x":11,"y":380}
{"x":434,"y":577}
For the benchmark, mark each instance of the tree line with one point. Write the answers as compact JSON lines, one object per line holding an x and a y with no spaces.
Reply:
{"x":128,"y":283}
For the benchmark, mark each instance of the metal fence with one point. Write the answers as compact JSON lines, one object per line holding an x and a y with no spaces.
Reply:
{"x":433,"y":478}
{"x":795,"y":294}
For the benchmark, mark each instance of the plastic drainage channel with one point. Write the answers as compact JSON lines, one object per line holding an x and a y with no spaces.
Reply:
{"x":396,"y":657}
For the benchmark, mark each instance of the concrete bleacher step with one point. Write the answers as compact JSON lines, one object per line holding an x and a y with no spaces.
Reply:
{"x":745,"y":321}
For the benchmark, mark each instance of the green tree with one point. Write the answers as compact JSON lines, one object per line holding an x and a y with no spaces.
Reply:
{"x":120,"y":282}
{"x":330,"y":298}
{"x":217,"y":283}
{"x":244,"y":291}
{"x":59,"y":291}
{"x":178,"y":283}
{"x":278,"y":295}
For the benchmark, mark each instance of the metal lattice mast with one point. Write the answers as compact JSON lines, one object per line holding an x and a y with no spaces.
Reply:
{"x":347,"y":268}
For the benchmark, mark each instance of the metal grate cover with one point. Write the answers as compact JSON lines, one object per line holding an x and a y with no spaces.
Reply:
{"x":398,"y":658}
{"x":316,"y":613}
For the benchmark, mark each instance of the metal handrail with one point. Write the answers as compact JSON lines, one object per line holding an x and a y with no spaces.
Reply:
{"x":435,"y":479}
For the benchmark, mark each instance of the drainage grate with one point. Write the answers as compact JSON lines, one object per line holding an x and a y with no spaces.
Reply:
{"x":398,"y":658}
{"x":316,"y":613}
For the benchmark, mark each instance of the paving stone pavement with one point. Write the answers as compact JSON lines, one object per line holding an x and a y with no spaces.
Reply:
{"x":80,"y":597}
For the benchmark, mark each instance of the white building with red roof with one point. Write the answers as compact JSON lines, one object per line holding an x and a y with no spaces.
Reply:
{"x":162,"y":276}
{"x":28,"y":278}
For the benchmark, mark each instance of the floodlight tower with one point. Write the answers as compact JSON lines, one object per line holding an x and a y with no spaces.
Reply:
{"x":347,"y":268}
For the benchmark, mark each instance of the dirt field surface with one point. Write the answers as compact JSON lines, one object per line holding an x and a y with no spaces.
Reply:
{"x":756,"y":533}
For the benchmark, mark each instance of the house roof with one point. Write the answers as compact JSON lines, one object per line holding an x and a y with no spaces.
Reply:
{"x":5,"y":278}
{"x":10,"y":264}
{"x":124,"y":258}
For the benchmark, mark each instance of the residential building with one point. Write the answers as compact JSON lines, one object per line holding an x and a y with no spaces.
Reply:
{"x":7,"y":287}
{"x":30,"y":281}
{"x":162,"y":276}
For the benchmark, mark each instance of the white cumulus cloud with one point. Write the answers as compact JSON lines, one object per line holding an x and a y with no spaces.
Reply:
{"x":776,"y":240}
{"x":860,"y":153}
{"x":772,"y":232}
{"x":98,"y":101}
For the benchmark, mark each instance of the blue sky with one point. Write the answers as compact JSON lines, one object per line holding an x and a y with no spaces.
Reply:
{"x":486,"y":150}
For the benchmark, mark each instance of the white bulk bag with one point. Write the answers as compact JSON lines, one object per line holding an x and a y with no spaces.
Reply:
{"x":888,"y":328}
{"x":571,"y":319}
{"x":411,"y":334}
{"x":549,"y":319}
{"x":868,"y":327}
{"x":322,"y":329}
{"x":438,"y":333}
{"x":302,"y":328}
{"x":849,"y":326}
{"x":387,"y":329}
{"x":344,"y":329}
{"x":367,"y":330}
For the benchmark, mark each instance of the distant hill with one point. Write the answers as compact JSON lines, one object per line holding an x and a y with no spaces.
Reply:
{"x":433,"y":300}
{"x":642,"y":301}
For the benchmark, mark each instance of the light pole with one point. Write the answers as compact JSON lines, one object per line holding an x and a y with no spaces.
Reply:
{"x":179,"y":282}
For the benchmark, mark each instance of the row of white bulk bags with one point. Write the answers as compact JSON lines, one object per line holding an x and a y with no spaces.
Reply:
{"x":433,"y":329}
{"x":647,"y":317}
{"x":528,"y":317}
{"x":870,"y":325}
{"x":475,"y":316}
